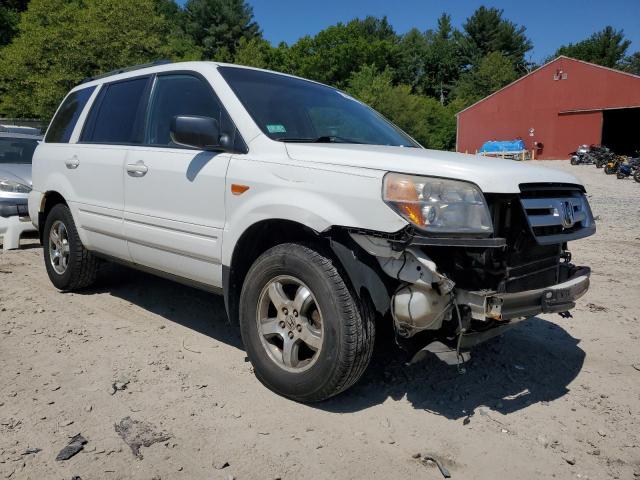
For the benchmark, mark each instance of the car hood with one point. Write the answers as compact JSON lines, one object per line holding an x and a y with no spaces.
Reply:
{"x":17,"y":172}
{"x":490,"y":174}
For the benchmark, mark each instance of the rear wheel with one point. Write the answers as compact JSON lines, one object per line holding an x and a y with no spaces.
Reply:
{"x":636,"y":176}
{"x":69,"y":265}
{"x":304,"y":330}
{"x":609,"y":170}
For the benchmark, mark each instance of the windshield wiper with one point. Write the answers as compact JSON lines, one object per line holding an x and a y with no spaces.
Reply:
{"x":322,"y":139}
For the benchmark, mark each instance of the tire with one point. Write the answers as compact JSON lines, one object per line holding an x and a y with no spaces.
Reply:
{"x":609,"y":171}
{"x":79,"y":269}
{"x":599,"y":164}
{"x":620,"y":175}
{"x":347,"y":329}
{"x":636,"y":176}
{"x":574,"y":161}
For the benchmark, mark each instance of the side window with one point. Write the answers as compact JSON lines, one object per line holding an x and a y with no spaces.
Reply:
{"x":182,"y":94}
{"x":65,"y":120}
{"x":116,"y":116}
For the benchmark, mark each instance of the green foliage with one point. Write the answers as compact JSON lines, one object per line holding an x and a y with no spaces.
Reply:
{"x":334,"y":53}
{"x":606,"y":47}
{"x":424,"y":118}
{"x":217,"y":26}
{"x":631,"y":64}
{"x":492,"y":73}
{"x":9,"y":16}
{"x":60,"y":42}
{"x":486,"y":32}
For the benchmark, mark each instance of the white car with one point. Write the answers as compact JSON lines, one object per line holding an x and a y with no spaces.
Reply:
{"x":314,"y":216}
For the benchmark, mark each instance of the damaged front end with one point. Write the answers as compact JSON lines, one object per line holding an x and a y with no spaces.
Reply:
{"x":462,"y":291}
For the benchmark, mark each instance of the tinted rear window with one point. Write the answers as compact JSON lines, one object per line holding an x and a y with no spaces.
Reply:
{"x":17,"y":150}
{"x":117,"y":113}
{"x":65,"y":120}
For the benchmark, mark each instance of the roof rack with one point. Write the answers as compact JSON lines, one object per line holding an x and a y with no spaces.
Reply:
{"x":126,"y":69}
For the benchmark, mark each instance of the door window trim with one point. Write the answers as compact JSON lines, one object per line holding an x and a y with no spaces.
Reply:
{"x":203,"y":79}
{"x":139,"y":122}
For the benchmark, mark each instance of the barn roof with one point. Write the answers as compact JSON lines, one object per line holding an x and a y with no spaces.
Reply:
{"x":561,"y":57}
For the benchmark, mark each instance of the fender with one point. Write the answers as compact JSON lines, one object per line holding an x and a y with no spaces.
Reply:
{"x":315,"y":198}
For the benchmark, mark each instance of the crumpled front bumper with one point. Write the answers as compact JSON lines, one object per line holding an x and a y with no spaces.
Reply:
{"x":507,"y":306}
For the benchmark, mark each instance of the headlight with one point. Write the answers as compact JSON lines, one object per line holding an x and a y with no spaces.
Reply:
{"x":9,"y":186}
{"x":438,"y":205}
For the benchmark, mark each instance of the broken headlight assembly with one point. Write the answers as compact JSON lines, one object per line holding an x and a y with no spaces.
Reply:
{"x":438,"y":205}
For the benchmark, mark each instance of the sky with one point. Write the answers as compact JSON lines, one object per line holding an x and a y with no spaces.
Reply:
{"x":549,"y":23}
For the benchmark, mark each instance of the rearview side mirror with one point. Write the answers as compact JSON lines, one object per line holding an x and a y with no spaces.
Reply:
{"x":198,"y":132}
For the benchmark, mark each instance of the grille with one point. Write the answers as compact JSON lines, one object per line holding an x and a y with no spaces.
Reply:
{"x":556,"y":213}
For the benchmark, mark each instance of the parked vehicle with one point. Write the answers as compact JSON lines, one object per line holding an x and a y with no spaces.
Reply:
{"x":628,"y":168}
{"x":601,"y":155}
{"x":613,"y":164}
{"x":312,"y":214}
{"x":16,"y":153}
{"x":582,"y":156}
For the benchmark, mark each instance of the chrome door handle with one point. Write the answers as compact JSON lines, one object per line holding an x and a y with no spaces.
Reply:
{"x":72,"y":162}
{"x":138,"y":169}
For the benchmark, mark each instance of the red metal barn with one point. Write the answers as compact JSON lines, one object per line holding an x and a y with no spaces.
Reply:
{"x":561,"y":105}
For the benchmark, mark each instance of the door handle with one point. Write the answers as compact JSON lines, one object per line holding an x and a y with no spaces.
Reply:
{"x":138,"y":169}
{"x":72,"y":162}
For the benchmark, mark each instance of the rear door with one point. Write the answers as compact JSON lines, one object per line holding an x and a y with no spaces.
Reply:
{"x":174,"y":196}
{"x":113,"y":125}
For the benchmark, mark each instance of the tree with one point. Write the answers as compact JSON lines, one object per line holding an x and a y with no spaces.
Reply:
{"x":443,"y":61}
{"x":493,"y":72}
{"x":631,"y":64}
{"x":60,"y":42}
{"x":606,"y":47}
{"x":486,"y":32}
{"x":218,"y":25}
{"x":9,"y":15}
{"x":334,"y":53}
{"x":424,"y":118}
{"x":255,"y":52}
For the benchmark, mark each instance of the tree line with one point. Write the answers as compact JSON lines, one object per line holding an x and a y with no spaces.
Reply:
{"x":418,"y":79}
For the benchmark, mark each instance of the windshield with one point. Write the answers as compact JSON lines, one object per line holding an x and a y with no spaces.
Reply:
{"x":295,"y":110}
{"x":17,"y":150}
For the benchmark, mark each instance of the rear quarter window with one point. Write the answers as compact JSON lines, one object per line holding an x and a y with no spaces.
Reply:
{"x":66,"y":118}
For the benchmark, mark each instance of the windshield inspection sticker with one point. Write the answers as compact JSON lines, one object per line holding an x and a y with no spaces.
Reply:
{"x":276,"y":129}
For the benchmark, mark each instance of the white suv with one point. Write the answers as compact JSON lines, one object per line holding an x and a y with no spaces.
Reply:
{"x":312,"y":214}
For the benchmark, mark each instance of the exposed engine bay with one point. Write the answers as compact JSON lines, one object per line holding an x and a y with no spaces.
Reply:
{"x":462,"y":291}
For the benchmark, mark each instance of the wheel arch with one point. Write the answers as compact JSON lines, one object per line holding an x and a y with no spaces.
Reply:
{"x":49,"y":200}
{"x":360,"y":269}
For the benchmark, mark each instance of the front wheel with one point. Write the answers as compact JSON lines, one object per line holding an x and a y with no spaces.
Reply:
{"x":304,"y":330}
{"x":69,"y":265}
{"x":609,"y":170}
{"x":636,"y":176}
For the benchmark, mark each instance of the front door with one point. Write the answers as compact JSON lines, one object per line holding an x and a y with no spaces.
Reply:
{"x":174,"y":196}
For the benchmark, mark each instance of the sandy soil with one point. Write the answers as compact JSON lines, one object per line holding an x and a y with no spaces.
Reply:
{"x":145,"y":360}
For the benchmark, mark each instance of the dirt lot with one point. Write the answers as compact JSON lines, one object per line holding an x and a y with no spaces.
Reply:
{"x":554,"y":398}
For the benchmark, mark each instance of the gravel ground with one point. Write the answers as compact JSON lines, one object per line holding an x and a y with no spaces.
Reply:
{"x":156,"y":382}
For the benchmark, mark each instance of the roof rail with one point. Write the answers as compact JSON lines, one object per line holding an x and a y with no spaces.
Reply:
{"x":126,"y":69}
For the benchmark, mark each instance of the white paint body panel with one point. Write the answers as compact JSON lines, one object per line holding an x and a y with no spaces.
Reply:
{"x":174,"y":215}
{"x":181,"y":217}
